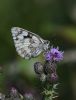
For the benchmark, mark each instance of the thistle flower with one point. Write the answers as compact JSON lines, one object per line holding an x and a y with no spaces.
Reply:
{"x":54,"y":55}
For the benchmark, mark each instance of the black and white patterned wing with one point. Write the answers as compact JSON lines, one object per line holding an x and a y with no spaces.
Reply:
{"x":27,"y":44}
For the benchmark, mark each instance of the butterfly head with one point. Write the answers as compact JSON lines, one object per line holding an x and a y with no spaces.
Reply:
{"x":46,"y":45}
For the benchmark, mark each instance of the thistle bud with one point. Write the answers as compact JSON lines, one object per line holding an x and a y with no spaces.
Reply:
{"x":38,"y":67}
{"x":49,"y":68}
{"x":53,"y":78}
{"x":43,"y":77}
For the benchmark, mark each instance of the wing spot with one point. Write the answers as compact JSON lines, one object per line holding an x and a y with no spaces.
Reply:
{"x":16,"y":38}
{"x":24,"y":37}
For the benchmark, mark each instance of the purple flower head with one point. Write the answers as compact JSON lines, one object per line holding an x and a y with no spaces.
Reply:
{"x":47,"y":56}
{"x":54,"y":55}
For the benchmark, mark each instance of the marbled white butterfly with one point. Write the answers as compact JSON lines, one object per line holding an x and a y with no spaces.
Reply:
{"x":28,"y":44}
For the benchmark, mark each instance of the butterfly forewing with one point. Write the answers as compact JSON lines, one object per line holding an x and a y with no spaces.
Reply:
{"x":27,"y":44}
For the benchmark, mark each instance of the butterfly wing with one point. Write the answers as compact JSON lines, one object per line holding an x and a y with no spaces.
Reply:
{"x":27,"y":44}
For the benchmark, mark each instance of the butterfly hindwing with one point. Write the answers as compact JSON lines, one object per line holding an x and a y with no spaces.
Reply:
{"x":27,"y":44}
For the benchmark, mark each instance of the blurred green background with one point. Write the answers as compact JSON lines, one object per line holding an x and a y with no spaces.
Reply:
{"x":54,"y":20}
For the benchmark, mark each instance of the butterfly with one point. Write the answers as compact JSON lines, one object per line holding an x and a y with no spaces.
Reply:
{"x":28,"y":44}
